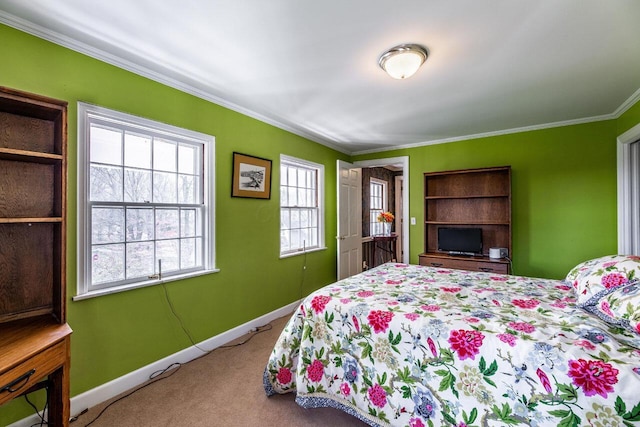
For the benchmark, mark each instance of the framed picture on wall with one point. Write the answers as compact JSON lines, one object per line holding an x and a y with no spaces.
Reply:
{"x":251,"y":177}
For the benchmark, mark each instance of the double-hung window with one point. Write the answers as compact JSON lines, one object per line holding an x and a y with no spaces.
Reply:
{"x":377,"y":205}
{"x":301,"y":209}
{"x":145,"y":201}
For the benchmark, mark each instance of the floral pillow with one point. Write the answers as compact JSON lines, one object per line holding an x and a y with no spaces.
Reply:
{"x":619,"y":306}
{"x":592,"y":277}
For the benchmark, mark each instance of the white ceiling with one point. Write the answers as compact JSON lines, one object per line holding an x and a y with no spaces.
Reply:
{"x":494,"y":66}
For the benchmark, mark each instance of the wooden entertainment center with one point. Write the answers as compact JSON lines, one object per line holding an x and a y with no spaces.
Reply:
{"x":34,"y":335}
{"x":478,"y":198}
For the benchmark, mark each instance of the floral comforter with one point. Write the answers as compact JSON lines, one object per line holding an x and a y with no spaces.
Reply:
{"x":416,"y":346}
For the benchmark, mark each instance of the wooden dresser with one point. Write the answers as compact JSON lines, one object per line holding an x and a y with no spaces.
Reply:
{"x":34,"y":335}
{"x":476,"y":263}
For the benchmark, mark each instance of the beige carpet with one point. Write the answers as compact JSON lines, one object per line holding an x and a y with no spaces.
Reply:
{"x":223,"y":388}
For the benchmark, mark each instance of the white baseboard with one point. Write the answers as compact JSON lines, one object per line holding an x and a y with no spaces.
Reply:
{"x":131,"y":380}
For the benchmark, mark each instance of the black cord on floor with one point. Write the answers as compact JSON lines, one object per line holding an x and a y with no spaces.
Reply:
{"x":158,"y":375}
{"x":155,"y":377}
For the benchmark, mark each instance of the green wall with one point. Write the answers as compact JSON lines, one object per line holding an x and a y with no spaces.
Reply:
{"x":564,"y":210}
{"x":116,"y":334}
{"x":563,"y":191}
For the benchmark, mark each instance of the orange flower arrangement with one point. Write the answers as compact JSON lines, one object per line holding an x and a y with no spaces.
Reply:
{"x":385,"y":217}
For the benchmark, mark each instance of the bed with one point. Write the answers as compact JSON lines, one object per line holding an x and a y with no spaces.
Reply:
{"x":408,"y":345}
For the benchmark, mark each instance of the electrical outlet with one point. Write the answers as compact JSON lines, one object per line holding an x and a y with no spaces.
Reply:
{"x":413,"y":220}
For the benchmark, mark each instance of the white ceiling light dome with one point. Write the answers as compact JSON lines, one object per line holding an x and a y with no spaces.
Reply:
{"x":403,"y":61}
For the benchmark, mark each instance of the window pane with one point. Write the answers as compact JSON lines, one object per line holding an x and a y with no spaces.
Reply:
{"x":188,"y":253}
{"x":295,"y":241}
{"x":167,"y":251}
{"x":106,"y":145}
{"x":302,"y":197}
{"x":285,"y":221}
{"x":108,"y":225}
{"x":105,"y":183}
{"x":284,"y":240}
{"x":304,"y":218}
{"x":186,"y":189}
{"x":166,"y":223}
{"x":137,"y":185}
{"x":188,"y":223}
{"x":293,"y":196}
{"x":139,"y":260}
{"x":164,"y":155}
{"x":292,"y":177}
{"x":302,"y":178}
{"x":313,"y":234}
{"x":295,"y":218}
{"x":139,"y":224}
{"x":284,"y":177}
{"x":311,"y":179}
{"x":137,"y":151}
{"x":107,"y":263}
{"x":188,"y":159}
{"x":284,"y":197}
{"x":164,"y":187}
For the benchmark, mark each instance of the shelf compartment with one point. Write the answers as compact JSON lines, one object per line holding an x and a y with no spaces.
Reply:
{"x":464,"y":210}
{"x":26,"y":189}
{"x":30,"y":257}
{"x":468,"y":183}
{"x":493,"y":235}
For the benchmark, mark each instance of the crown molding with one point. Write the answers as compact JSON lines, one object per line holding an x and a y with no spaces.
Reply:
{"x":630,"y":102}
{"x":161,"y":77}
{"x":155,"y":75}
{"x":494,"y":133}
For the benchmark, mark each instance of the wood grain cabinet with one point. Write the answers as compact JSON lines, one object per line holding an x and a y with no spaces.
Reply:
{"x":476,"y":198}
{"x":34,"y":335}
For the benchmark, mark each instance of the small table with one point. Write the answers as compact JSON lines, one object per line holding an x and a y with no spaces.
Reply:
{"x":386,"y":246}
{"x":34,"y":353}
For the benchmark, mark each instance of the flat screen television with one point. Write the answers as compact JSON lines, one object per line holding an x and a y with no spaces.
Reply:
{"x":460,"y":241}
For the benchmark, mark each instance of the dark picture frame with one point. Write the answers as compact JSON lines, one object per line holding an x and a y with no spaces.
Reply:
{"x":251,"y":177}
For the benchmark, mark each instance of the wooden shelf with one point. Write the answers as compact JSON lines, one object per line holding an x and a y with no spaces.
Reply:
{"x":30,"y":220}
{"x":468,"y":222}
{"x":29,"y":156}
{"x":472,"y":196}
{"x":478,"y":198}
{"x":34,"y":335}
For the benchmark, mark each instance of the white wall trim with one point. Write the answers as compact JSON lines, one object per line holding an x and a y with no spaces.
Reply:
{"x":630,"y":102}
{"x":135,"y":378}
{"x":155,"y":72}
{"x":404,"y":161}
{"x":163,"y":74}
{"x":489,"y":134}
{"x":625,"y":219}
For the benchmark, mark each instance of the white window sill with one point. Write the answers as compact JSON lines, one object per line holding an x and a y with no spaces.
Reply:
{"x":302,"y":252}
{"x":128,"y":287}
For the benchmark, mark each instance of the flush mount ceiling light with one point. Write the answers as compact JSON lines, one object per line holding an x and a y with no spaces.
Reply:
{"x":402,"y":61}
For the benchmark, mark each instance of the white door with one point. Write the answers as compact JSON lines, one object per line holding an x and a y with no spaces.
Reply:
{"x":349,"y":220}
{"x":399,"y":220}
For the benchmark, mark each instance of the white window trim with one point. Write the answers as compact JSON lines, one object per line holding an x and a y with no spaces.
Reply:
{"x":385,"y":200}
{"x":627,"y":201}
{"x":83,"y":239}
{"x":321,"y":214}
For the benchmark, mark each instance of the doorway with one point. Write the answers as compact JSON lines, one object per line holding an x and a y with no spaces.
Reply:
{"x":402,"y":211}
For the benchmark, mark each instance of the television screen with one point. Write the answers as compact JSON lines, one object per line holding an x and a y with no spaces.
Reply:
{"x":466,"y":241}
